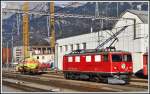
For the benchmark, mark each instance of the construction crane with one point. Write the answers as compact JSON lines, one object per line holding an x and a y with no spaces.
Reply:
{"x":52,"y":30}
{"x":26,"y":29}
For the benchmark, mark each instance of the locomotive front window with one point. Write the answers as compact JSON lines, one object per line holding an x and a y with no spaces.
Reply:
{"x":127,"y":58}
{"x":116,"y":58}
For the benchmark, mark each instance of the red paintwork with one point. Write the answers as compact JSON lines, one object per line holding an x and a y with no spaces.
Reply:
{"x":100,"y":67}
{"x":145,"y":61}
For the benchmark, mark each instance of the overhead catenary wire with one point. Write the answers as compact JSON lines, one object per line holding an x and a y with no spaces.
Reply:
{"x":62,"y":15}
{"x":18,"y":22}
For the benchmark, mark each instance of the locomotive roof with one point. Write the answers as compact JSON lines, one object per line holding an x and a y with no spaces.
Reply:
{"x":94,"y":51}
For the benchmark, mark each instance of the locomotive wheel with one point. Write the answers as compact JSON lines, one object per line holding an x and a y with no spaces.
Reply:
{"x":95,"y":79}
{"x":66,"y":75}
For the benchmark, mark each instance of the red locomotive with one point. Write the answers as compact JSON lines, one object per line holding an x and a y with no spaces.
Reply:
{"x":145,"y":63}
{"x":107,"y":65}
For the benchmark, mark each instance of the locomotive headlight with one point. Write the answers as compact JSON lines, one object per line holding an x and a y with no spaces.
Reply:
{"x":115,"y":67}
{"x":123,"y":66}
{"x":130,"y":67}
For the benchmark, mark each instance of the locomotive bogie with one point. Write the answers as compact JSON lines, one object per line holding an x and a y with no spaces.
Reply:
{"x":110,"y":78}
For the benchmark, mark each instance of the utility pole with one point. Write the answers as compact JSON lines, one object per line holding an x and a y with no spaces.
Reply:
{"x":12,"y":49}
{"x":97,"y":15}
{"x":96,"y":10}
{"x":18,"y":16}
{"x":117,"y":10}
{"x":7,"y":55}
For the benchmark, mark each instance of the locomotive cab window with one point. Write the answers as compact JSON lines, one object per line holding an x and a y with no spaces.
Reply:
{"x":116,"y":57}
{"x":127,"y":58}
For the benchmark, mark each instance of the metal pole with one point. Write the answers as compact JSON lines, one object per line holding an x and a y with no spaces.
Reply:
{"x":18,"y":16}
{"x":56,"y":56}
{"x":98,"y":38}
{"x":12,"y":50}
{"x":7,"y":55}
{"x":117,"y":10}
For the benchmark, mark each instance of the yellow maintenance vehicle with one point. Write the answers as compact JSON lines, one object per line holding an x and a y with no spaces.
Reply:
{"x":28,"y":65}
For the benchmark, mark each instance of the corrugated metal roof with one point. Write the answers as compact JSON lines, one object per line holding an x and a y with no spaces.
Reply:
{"x":143,"y":15}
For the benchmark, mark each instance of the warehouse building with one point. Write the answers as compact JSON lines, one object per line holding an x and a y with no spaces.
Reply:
{"x":134,"y":38}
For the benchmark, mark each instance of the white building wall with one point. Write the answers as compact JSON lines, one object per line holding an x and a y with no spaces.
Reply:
{"x":14,"y":53}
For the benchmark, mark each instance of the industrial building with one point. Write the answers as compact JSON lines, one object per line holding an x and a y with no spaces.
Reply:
{"x":134,"y":38}
{"x":42,"y":53}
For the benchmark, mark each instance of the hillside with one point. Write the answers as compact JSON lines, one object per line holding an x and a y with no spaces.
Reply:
{"x":67,"y":26}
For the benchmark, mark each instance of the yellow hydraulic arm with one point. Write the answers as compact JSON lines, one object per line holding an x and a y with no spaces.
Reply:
{"x":26,"y":30}
{"x":52,"y":30}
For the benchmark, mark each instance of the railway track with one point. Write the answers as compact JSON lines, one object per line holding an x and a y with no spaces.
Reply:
{"x":135,"y":82}
{"x":22,"y":85}
{"x":58,"y":81}
{"x":133,"y":79}
{"x":31,"y":86}
{"x":60,"y":75}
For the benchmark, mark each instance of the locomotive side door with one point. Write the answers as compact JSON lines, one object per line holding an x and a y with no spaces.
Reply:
{"x":105,"y":63}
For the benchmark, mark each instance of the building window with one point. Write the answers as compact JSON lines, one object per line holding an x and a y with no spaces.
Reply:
{"x":88,"y":58}
{"x":43,"y":50}
{"x":42,"y":57}
{"x":84,"y":45}
{"x":37,"y":57}
{"x":71,"y":46}
{"x":48,"y":50}
{"x":66,"y":48}
{"x":60,"y":48}
{"x":78,"y":47}
{"x":39,"y":50}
